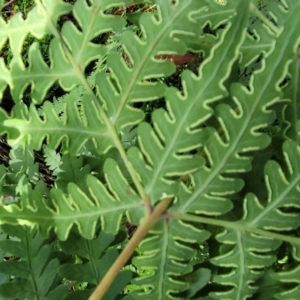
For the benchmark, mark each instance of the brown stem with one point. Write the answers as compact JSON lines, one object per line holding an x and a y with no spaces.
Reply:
{"x":110,"y":276}
{"x":7,"y":4}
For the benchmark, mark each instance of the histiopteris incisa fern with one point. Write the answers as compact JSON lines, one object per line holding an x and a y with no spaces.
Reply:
{"x":179,"y":191}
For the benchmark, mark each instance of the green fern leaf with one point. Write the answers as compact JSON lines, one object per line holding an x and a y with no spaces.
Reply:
{"x":75,"y":129}
{"x":250,"y":254}
{"x":72,"y":170}
{"x":3,"y":117}
{"x":107,"y":204}
{"x":167,"y":252}
{"x":292,"y":277}
{"x":255,"y":213}
{"x":2,"y":178}
{"x":22,"y":162}
{"x":254,"y":45}
{"x":283,"y":193}
{"x":52,"y":159}
{"x":259,"y":38}
{"x":92,"y":22}
{"x":136,"y":80}
{"x":166,"y":147}
{"x":241,"y":127}
{"x":35,"y":273}
{"x":22,"y":170}
{"x":211,"y":13}
{"x":245,"y":256}
{"x":16,"y":30}
{"x":97,"y":262}
{"x":291,"y":113}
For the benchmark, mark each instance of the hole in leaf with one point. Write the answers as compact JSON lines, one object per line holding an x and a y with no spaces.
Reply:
{"x":293,"y":209}
{"x":284,"y":83}
{"x":91,"y":67}
{"x":252,"y":34}
{"x":6,"y":53}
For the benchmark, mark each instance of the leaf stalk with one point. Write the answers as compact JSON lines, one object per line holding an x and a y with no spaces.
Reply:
{"x":235,"y":226}
{"x":112,"y":131}
{"x":137,"y":237}
{"x":265,"y":20}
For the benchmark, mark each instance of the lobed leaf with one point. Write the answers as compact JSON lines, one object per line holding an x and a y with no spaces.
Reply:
{"x":34,"y":270}
{"x":177,"y":131}
{"x":105,"y":203}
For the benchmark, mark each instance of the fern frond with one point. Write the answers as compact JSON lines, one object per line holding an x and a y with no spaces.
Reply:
{"x":22,"y":162}
{"x":92,"y":21}
{"x":137,"y":79}
{"x":3,"y":116}
{"x":260,"y":41}
{"x":167,"y":251}
{"x":283,"y":193}
{"x":290,"y":115}
{"x":34,"y":268}
{"x":76,"y":129}
{"x":105,"y":203}
{"x":22,"y":171}
{"x":72,"y":170}
{"x":241,"y":126}
{"x":52,"y":159}
{"x":2,"y":178}
{"x":290,"y":277}
{"x":211,"y":15}
{"x":217,"y":167}
{"x":233,"y":161}
{"x":250,"y":254}
{"x":97,"y":259}
{"x":245,"y":257}
{"x":166,"y":148}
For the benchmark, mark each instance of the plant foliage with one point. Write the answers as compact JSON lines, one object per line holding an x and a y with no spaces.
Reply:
{"x":209,"y":180}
